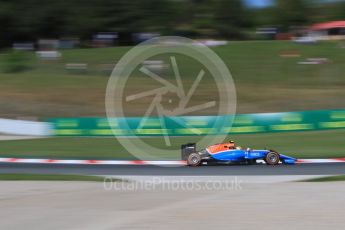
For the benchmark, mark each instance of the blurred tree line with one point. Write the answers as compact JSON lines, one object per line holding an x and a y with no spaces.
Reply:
{"x":28,"y":20}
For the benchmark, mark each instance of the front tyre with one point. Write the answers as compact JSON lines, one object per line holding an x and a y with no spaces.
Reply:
{"x":194,"y":159}
{"x":272,"y":158}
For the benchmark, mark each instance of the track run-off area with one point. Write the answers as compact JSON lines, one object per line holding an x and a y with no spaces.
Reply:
{"x":334,"y":168}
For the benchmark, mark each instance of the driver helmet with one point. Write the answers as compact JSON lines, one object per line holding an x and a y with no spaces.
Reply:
{"x":232,"y":144}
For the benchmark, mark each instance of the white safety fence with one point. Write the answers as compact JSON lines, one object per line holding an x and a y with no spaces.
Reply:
{"x":21,"y":127}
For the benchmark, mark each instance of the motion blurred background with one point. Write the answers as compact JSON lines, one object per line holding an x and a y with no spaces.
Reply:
{"x":56,"y":57}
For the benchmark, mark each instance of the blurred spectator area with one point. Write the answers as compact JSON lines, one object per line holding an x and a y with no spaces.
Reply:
{"x":266,"y":32}
{"x":141,"y":37}
{"x":23,"y":46}
{"x":333,"y":30}
{"x":54,"y":44}
{"x":104,"y":39}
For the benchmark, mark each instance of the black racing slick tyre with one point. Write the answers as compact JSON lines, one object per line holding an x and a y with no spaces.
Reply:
{"x":194,"y":159}
{"x":272,"y":158}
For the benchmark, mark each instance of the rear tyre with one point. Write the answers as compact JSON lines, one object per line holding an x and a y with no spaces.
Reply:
{"x":272,"y":158}
{"x":194,"y":159}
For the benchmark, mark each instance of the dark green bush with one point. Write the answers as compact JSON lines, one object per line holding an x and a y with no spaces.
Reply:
{"x":15,"y":61}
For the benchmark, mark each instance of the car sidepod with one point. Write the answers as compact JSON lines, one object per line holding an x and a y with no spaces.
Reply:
{"x":228,"y":155}
{"x":256,"y":154}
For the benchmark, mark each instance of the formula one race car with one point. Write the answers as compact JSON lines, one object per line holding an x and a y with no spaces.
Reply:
{"x":228,"y":153}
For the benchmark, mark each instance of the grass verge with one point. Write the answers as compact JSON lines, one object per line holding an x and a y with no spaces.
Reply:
{"x":313,"y":144}
{"x":326,"y":179}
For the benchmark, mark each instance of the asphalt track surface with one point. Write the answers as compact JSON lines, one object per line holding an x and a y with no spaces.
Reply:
{"x":150,"y":170}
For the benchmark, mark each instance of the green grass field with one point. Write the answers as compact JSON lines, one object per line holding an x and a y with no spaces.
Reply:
{"x":265,"y":81}
{"x":311,"y":144}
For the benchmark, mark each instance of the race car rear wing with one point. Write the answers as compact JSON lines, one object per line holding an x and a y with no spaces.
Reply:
{"x":187,"y":149}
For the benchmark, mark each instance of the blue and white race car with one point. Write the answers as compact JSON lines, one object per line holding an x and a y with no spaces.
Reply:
{"x":228,"y":153}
